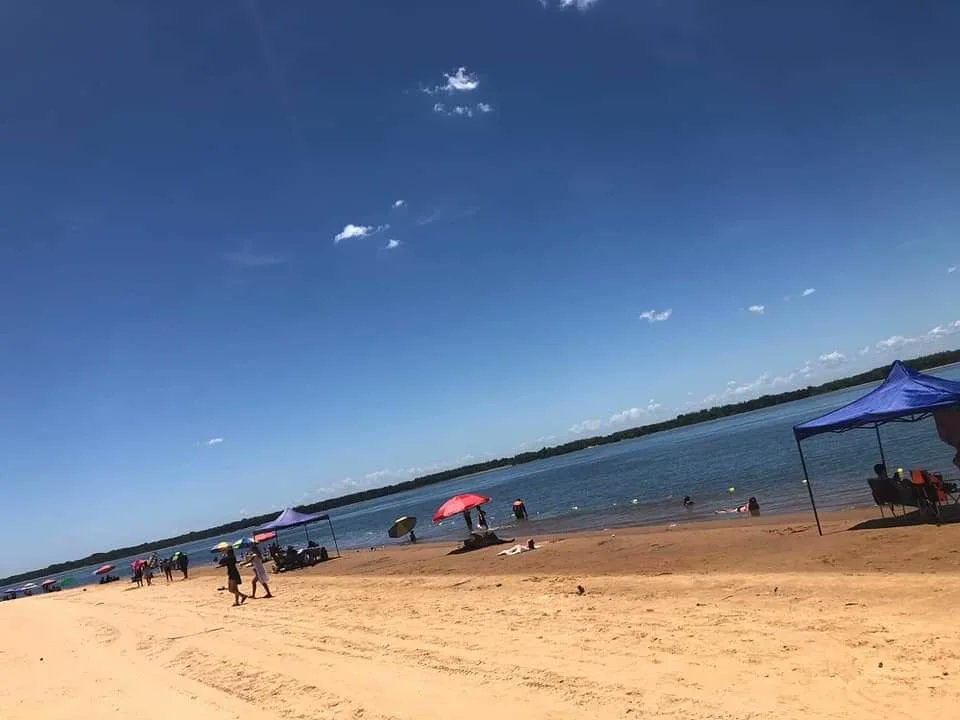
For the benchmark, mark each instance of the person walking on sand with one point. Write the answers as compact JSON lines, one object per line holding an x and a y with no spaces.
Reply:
{"x":229,"y":561}
{"x":183,"y":562}
{"x":259,"y":574}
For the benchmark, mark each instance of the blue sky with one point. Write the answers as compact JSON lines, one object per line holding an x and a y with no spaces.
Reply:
{"x":593,"y":198}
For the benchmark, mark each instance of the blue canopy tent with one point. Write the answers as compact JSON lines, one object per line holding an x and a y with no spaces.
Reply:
{"x":905,"y":396}
{"x":291,"y":518}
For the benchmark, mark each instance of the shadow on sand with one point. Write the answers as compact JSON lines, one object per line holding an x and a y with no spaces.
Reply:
{"x":949,"y":514}
{"x":477,"y":541}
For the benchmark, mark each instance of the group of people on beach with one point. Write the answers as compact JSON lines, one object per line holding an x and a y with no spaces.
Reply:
{"x":143,"y":569}
{"x":519,"y":513}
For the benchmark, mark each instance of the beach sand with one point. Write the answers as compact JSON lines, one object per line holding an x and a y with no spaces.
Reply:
{"x":751,"y":618}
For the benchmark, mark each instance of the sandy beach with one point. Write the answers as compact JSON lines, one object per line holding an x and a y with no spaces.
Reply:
{"x":752,"y":618}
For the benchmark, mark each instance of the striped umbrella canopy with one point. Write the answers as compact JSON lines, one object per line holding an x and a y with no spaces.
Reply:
{"x":402,"y":526}
{"x":103,"y":569}
{"x":243,"y":543}
{"x":221,"y":547}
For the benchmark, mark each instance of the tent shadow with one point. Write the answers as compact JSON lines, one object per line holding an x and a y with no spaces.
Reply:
{"x":950,"y":514}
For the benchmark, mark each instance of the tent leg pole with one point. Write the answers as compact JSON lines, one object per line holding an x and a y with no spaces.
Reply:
{"x":330,"y":523}
{"x":806,"y":477}
{"x":882,"y":458}
{"x":306,"y":535}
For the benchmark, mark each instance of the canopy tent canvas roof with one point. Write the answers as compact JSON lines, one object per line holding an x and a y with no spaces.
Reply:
{"x":905,"y":395}
{"x":291,"y":518}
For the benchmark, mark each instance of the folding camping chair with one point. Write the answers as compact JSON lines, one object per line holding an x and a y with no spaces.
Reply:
{"x":927,"y":494}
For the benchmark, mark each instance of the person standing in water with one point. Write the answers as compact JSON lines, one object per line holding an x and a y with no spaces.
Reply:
{"x":519,"y":509}
{"x":229,"y":561}
{"x":482,"y":518}
{"x":259,"y":574}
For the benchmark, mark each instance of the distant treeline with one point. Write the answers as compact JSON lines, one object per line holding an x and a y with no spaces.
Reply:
{"x":922,"y":363}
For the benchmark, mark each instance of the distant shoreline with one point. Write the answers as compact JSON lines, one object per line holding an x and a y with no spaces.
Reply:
{"x":926,"y":362}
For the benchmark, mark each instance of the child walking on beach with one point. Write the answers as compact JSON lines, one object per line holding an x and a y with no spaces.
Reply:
{"x":259,"y":574}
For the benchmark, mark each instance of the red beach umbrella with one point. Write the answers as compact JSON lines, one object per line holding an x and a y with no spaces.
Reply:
{"x":103,"y":570}
{"x":458,"y":504}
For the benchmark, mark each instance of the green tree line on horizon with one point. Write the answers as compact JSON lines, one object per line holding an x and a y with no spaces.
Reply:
{"x":685,"y":419}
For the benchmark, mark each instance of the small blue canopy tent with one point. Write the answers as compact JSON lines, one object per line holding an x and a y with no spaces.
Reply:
{"x":291,"y":518}
{"x":905,"y":396}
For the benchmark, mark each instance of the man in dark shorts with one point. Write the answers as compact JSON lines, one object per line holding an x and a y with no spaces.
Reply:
{"x":229,"y":561}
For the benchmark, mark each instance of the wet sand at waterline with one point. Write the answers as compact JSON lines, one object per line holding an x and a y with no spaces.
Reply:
{"x":752,"y":618}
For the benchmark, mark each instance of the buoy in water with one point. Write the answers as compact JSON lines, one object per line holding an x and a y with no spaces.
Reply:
{"x":635,"y":501}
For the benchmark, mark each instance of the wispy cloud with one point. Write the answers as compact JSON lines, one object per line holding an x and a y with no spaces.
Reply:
{"x":461,"y":110}
{"x":581,"y":5}
{"x":635,"y":414}
{"x":653,"y":316}
{"x":458,"y":81}
{"x":951,"y":269}
{"x":944,"y":330}
{"x":833,"y":358}
{"x":249,"y":259}
{"x":865,"y":350}
{"x":351,"y":231}
{"x":808,"y":292}
{"x":213,"y":441}
{"x":895,"y":342}
{"x":757,"y":309}
{"x":586,"y":426}
{"x":399,"y":204}
{"x":391,"y":244}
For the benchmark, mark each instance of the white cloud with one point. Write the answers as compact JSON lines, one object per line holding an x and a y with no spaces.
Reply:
{"x":652,"y":316}
{"x":391,"y":244}
{"x":461,"y":110}
{"x":865,"y":350}
{"x":461,"y":81}
{"x":399,"y":204}
{"x":757,"y":309}
{"x":833,"y":357}
{"x":951,"y":269}
{"x":214,"y":441}
{"x":586,"y":426}
{"x":581,"y":5}
{"x":945,"y":330}
{"x":895,"y":342}
{"x":458,"y":81}
{"x":808,"y":292}
{"x":351,"y":231}
{"x":635,"y":414}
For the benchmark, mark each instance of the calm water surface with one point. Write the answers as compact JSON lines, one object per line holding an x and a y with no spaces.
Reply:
{"x":642,"y":481}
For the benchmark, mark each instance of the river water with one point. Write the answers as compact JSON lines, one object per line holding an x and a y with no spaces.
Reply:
{"x":643,"y":481}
